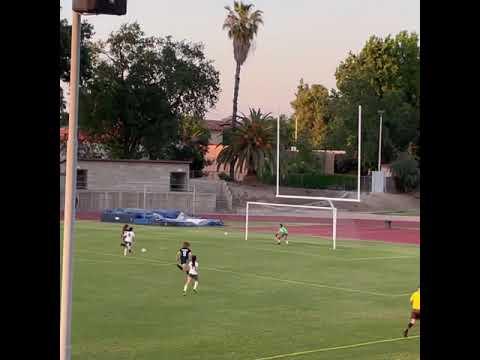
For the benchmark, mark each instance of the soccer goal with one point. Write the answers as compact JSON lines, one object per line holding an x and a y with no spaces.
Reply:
{"x":329,"y":218}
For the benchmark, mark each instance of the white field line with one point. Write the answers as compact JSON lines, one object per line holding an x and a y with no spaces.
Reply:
{"x":316,"y":285}
{"x":335,"y":258}
{"x":352,"y":242}
{"x":337,"y":348}
{"x":367,"y":242}
{"x":382,"y":258}
{"x":360,"y":244}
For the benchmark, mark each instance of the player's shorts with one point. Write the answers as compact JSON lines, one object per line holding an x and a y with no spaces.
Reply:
{"x":283,"y":235}
{"x":194,"y":277}
{"x":415,"y":314}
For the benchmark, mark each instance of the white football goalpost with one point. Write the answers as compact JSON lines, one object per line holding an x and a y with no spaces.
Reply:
{"x":331,"y":208}
{"x":330,"y":200}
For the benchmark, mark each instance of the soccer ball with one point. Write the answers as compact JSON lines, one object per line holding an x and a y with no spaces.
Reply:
{"x":143,"y":249}
{"x":226,"y":233}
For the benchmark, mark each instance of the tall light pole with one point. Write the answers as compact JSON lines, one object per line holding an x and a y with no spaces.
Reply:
{"x":70,"y":194}
{"x":112,"y":7}
{"x":380,"y":112}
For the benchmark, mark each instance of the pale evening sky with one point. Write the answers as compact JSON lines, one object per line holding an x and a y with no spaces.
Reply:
{"x":300,"y":39}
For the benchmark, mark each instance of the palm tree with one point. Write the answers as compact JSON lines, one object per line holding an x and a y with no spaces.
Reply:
{"x":251,"y":144}
{"x":242,"y":24}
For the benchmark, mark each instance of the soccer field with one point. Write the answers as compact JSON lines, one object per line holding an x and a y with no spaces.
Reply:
{"x":256,"y":300}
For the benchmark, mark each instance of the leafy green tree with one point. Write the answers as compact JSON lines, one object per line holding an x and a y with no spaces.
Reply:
{"x":140,"y":88}
{"x":383,"y":76}
{"x":242,"y":24}
{"x":86,"y":58}
{"x":192,"y":144}
{"x":287,"y":131}
{"x":311,"y":106}
{"x":251,"y":144}
{"x":406,"y":173}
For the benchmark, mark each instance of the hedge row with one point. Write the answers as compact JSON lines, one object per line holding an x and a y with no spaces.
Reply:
{"x":314,"y":181}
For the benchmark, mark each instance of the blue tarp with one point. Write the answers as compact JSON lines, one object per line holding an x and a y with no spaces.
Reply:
{"x":167,"y":213}
{"x":170,"y":217}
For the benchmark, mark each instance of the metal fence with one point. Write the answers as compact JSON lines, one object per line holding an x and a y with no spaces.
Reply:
{"x":198,"y":196}
{"x":366,"y":184}
{"x":188,"y":202}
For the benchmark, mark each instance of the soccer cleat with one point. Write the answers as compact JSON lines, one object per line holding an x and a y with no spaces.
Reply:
{"x":184,"y":293}
{"x":194,"y":291}
{"x":405,"y":333}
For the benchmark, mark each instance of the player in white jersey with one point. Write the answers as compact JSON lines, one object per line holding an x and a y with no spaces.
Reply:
{"x":128,"y":240}
{"x":192,"y":275}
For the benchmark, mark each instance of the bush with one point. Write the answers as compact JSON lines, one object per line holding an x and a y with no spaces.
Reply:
{"x":314,"y":180}
{"x":406,"y":174}
{"x":344,"y":165}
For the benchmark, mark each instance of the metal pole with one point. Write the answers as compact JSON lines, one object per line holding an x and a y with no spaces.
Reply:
{"x":194,"y":199}
{"x":359,"y":166}
{"x":289,"y":205}
{"x":278,"y":155}
{"x":334,"y":235}
{"x":380,"y":143}
{"x":70,"y":193}
{"x":318,"y":198}
{"x":246,"y":223}
{"x":145,"y":197}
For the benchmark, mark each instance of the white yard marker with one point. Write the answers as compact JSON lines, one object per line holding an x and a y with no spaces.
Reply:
{"x":336,"y":348}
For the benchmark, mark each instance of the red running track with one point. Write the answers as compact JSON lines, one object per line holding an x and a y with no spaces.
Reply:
{"x":351,"y":231}
{"x":405,"y":232}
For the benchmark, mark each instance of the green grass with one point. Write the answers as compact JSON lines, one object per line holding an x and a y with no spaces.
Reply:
{"x":256,"y":299}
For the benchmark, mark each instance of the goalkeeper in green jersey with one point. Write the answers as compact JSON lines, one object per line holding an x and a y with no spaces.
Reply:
{"x":282,"y":234}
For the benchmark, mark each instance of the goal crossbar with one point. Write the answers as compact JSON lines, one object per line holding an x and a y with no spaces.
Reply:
{"x":331,"y":208}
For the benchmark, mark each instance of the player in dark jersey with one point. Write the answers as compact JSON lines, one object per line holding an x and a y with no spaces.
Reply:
{"x":183,"y":256}
{"x":124,"y":228}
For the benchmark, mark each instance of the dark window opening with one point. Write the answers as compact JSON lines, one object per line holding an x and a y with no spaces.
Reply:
{"x":81,"y":179}
{"x":178,"y":181}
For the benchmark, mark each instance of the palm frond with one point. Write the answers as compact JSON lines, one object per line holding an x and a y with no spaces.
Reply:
{"x":251,"y":143}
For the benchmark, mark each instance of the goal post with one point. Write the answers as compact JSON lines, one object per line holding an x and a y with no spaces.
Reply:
{"x":331,"y":208}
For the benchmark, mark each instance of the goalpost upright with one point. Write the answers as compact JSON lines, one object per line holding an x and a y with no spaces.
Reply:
{"x":331,"y":208}
{"x":330,"y":200}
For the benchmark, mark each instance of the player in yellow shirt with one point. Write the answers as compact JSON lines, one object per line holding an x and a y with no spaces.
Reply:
{"x":415,"y":303}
